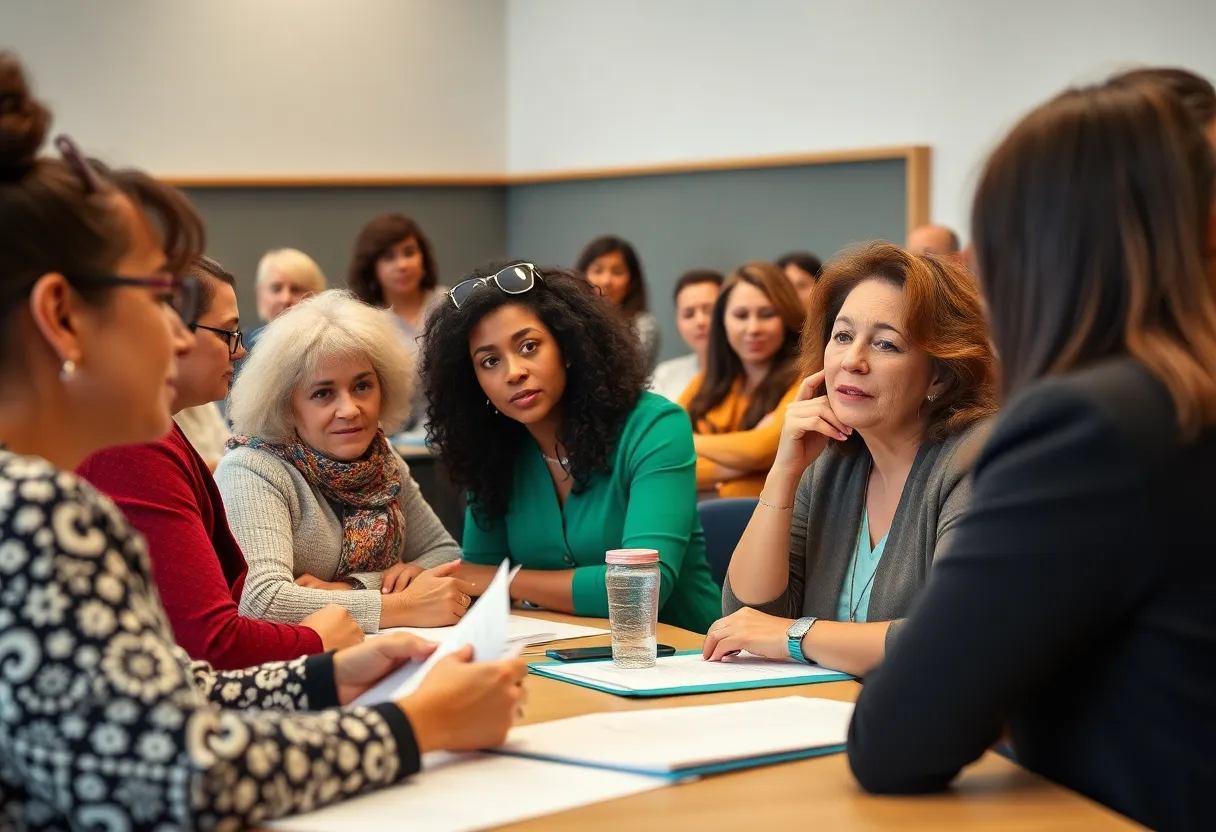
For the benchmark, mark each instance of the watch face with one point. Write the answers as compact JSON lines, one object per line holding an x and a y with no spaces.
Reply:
{"x":799,"y":628}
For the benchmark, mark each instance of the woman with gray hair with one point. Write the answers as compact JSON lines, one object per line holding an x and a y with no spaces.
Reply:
{"x":324,"y":509}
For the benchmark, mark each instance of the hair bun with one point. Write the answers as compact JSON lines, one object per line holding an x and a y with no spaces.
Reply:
{"x":24,"y":122}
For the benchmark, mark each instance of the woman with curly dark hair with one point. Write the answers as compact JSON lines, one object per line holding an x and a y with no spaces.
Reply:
{"x":537,"y":405}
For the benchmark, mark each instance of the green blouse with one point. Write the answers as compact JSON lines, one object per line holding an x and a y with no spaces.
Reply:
{"x":647,"y":501}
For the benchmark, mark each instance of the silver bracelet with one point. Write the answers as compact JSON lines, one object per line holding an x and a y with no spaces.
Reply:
{"x":765,"y":502}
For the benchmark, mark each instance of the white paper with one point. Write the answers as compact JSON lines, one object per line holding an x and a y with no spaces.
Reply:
{"x":686,"y":671}
{"x":672,"y":739}
{"x":484,"y":626}
{"x":520,"y":630}
{"x":460,"y":793}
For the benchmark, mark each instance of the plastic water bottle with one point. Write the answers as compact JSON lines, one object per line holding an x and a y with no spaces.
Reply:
{"x":633,"y":606}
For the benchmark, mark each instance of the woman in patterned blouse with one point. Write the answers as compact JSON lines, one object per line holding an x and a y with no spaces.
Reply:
{"x":104,"y":722}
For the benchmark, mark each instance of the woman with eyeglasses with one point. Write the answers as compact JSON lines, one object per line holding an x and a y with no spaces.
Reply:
{"x":167,"y":493}
{"x":537,"y":406}
{"x":324,"y":509}
{"x":203,"y":424}
{"x":104,"y":721}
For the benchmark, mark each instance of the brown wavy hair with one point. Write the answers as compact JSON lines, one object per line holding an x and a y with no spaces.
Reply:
{"x":722,"y":364}
{"x":1090,"y":228}
{"x":944,"y":319}
{"x":378,"y":236}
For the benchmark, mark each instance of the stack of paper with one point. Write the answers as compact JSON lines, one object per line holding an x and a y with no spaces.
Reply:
{"x":505,"y":790}
{"x":688,"y":742}
{"x":485,"y":627}
{"x":688,"y":673}
{"x":521,"y":630}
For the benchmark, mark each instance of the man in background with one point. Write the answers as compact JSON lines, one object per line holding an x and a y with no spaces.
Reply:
{"x":935,"y":239}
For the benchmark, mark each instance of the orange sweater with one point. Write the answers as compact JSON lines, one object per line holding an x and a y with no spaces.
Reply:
{"x":720,"y":443}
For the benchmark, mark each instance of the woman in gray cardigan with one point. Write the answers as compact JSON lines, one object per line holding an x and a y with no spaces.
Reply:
{"x":901,"y":378}
{"x":323,"y":508}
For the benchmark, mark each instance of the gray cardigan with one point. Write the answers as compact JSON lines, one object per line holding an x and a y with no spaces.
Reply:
{"x":286,"y":528}
{"x":827,"y":519}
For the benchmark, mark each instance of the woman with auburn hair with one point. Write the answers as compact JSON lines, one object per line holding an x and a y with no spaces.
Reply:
{"x":737,"y":404}
{"x":393,"y":267}
{"x":871,"y":476}
{"x":1073,"y":611}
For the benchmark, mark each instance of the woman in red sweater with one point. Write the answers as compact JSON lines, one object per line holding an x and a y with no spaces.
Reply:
{"x":167,"y":492}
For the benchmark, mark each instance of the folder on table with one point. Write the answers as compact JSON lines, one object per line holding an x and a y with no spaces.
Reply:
{"x":684,"y":743}
{"x":687,"y":672}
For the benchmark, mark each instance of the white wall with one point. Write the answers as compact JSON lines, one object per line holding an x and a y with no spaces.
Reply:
{"x":272,"y":87}
{"x":595,"y":84}
{"x":347,"y":87}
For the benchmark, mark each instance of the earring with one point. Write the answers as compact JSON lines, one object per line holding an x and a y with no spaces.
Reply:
{"x":68,"y":371}
{"x":492,"y":408}
{"x":932,"y":397}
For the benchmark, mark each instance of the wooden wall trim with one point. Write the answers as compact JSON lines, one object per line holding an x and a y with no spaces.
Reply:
{"x":917,"y":158}
{"x":745,"y":163}
{"x":419,"y":181}
{"x":919,"y":164}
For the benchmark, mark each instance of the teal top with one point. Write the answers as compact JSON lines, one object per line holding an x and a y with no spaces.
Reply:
{"x":647,"y":501}
{"x":859,"y":577}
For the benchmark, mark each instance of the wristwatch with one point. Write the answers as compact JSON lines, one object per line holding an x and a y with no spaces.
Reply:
{"x":795,"y":633}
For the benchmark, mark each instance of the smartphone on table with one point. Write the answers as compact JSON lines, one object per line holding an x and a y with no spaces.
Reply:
{"x":586,"y":654}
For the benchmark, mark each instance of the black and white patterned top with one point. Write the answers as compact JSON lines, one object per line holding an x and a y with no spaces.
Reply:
{"x":106,"y":724}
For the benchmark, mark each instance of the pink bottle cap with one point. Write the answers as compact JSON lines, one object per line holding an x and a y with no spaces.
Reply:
{"x":631,"y":557}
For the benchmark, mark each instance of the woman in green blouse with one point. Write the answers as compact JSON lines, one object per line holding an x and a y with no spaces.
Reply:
{"x":537,"y":405}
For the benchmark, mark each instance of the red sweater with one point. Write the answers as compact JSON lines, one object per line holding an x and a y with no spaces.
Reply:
{"x":166,"y":491}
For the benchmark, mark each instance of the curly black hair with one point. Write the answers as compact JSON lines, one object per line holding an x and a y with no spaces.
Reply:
{"x":604,"y":382}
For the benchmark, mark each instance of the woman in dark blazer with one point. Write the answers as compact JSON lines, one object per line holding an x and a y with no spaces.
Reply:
{"x":1075,"y":610}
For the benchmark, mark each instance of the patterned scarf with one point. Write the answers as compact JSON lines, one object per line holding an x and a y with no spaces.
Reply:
{"x":369,"y":490}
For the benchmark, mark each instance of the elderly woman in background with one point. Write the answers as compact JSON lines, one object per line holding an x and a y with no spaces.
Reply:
{"x":285,"y":277}
{"x":872,"y":471}
{"x":324,"y":509}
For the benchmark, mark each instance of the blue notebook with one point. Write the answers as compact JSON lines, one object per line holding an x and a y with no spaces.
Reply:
{"x":692,"y":741}
{"x":688,"y":773}
{"x":686,"y":672}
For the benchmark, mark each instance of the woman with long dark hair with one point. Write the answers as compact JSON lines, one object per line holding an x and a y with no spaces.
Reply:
{"x":1074,"y":611}
{"x":393,"y":266}
{"x":612,"y":265}
{"x":738,"y":403}
{"x":538,"y":407}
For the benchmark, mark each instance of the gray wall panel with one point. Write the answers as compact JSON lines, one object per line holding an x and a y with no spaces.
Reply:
{"x":467,"y":226}
{"x":715,"y":219}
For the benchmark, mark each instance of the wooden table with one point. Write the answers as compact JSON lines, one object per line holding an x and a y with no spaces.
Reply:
{"x":819,"y":793}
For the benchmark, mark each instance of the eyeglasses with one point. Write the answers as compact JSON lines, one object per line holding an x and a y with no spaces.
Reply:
{"x":513,"y":280}
{"x":235,"y":338}
{"x":187,"y":291}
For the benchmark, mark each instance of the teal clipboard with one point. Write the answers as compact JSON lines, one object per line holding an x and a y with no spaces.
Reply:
{"x":539,"y":668}
{"x":687,"y":773}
